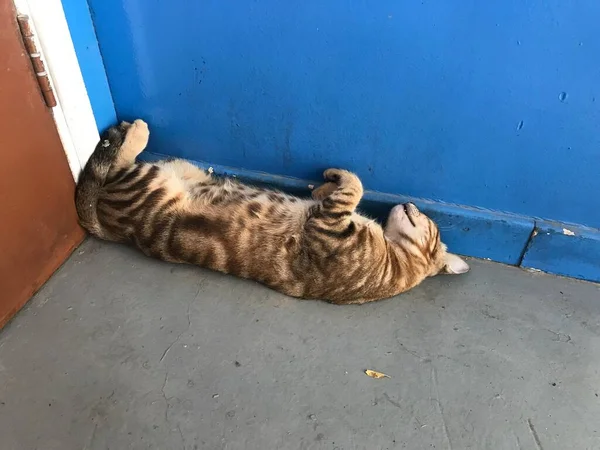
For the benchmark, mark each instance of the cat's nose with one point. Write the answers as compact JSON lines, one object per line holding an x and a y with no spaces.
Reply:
{"x":411,"y":209}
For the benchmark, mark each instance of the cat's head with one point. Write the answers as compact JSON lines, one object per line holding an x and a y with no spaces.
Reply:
{"x":419,"y":235}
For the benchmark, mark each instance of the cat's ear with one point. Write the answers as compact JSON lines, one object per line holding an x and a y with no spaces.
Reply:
{"x":454,"y":264}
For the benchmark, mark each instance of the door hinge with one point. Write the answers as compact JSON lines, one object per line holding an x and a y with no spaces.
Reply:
{"x":36,"y":60}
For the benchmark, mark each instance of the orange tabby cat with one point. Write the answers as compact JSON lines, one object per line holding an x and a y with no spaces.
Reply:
{"x":318,"y":248}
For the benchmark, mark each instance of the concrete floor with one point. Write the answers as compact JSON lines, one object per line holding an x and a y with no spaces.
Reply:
{"x":118,"y":351}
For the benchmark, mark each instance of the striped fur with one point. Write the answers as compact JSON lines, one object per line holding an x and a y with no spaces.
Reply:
{"x":318,"y":248}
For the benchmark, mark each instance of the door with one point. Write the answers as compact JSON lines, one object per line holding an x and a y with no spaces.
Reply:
{"x":38,"y":222}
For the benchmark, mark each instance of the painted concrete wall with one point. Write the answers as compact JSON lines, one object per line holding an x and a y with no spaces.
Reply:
{"x":85,"y":42}
{"x":490,"y":104}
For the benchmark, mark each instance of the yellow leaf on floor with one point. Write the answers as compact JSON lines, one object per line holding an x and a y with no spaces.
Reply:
{"x":374,"y":374}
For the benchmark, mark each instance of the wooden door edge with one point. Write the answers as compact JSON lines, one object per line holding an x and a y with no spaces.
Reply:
{"x":61,"y":256}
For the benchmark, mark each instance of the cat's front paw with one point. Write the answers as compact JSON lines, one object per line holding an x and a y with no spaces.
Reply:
{"x":335,"y":175}
{"x":324,"y":191}
{"x":138,"y":129}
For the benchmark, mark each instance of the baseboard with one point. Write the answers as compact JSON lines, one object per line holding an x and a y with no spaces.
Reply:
{"x":480,"y":233}
{"x":563,"y":249}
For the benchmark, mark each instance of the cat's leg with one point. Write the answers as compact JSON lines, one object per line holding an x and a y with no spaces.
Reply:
{"x":347,"y":195}
{"x":136,"y":139}
{"x":336,"y":210}
{"x":323,"y":191}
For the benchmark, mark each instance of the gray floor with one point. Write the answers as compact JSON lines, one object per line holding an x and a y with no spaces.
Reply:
{"x":119,"y":351}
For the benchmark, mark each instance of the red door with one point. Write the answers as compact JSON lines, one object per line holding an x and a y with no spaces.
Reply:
{"x":38,"y":223}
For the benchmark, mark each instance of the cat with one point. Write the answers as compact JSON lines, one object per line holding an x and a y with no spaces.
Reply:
{"x":313,"y":248}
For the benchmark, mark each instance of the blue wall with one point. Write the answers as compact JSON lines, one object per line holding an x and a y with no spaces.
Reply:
{"x":491,"y":104}
{"x":84,"y":39}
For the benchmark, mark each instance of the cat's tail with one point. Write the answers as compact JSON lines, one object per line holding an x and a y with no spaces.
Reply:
{"x":92,"y":178}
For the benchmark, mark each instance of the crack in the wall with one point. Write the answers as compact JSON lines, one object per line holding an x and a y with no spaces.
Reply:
{"x":528,"y":244}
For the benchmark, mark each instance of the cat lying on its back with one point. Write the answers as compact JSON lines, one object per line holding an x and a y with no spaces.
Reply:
{"x":317,"y":248}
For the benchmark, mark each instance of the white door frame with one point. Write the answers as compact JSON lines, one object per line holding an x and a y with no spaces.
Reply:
{"x":73,"y":114}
